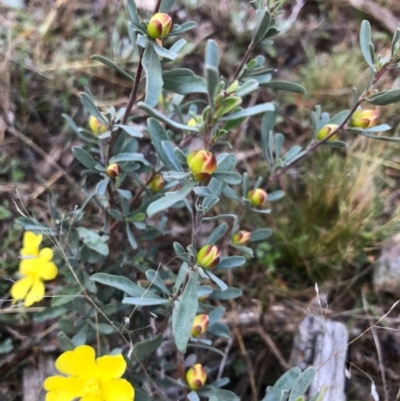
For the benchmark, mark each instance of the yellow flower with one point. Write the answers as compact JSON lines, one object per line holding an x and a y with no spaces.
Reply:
{"x":35,"y":267}
{"x":89,"y":379}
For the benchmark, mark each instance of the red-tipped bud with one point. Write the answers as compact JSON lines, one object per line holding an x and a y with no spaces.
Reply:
{"x":202,"y":164}
{"x":200,"y":325}
{"x":160,"y":26}
{"x":196,"y":376}
{"x":364,"y":119}
{"x":257,"y":197}
{"x":327,"y":130}
{"x":96,"y":126}
{"x":157,"y":183}
{"x":208,"y":256}
{"x":113,"y":170}
{"x":241,"y":237}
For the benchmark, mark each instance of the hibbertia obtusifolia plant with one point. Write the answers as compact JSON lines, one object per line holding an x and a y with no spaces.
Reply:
{"x":168,"y":153}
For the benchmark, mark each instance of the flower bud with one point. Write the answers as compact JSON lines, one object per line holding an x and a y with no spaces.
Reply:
{"x":192,"y":122}
{"x":208,"y":256}
{"x":257,"y":196}
{"x":200,"y":325}
{"x":327,"y":130}
{"x":157,"y":183}
{"x":202,"y":164}
{"x":241,"y":237}
{"x":160,"y":26}
{"x":196,"y":376}
{"x":364,"y":119}
{"x":96,"y":126}
{"x":113,"y":170}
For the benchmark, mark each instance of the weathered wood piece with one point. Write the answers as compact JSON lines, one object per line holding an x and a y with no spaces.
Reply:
{"x":34,"y":375}
{"x":322,"y":344}
{"x":387,"y":267}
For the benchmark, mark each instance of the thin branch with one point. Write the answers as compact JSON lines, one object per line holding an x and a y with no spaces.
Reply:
{"x":314,"y":145}
{"x":131,"y":102}
{"x":243,"y":62}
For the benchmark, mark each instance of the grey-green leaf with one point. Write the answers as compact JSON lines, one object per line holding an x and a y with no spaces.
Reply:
{"x":230,"y":178}
{"x":284,"y":86}
{"x":219,"y":394}
{"x":365,"y":40}
{"x":93,"y":240}
{"x":385,"y":98}
{"x":154,"y":277}
{"x":183,"y":81}
{"x":163,"y":52}
{"x":65,"y":295}
{"x":219,"y":329}
{"x":179,"y":29}
{"x":229,"y":293}
{"x":129,"y":157}
{"x":181,"y":252}
{"x":395,"y":40}
{"x":217,"y":280}
{"x":274,"y":196}
{"x":169,"y":153}
{"x":123,"y":284}
{"x":101,"y":187}
{"x":132,"y":11}
{"x":92,"y":109}
{"x":170,"y":199}
{"x":260,"y":235}
{"x":186,"y":309}
{"x":166,"y":6}
{"x":84,"y":157}
{"x":263,"y":23}
{"x":229,"y":262}
{"x":226,"y":162}
{"x":250,"y":111}
{"x":131,"y":131}
{"x":65,"y":343}
{"x":145,"y":301}
{"x":159,"y":116}
{"x":302,"y":383}
{"x":144,"y":348}
{"x":111,"y":64}
{"x":212,"y":56}
{"x":248,"y":87}
{"x":283,"y":385}
{"x":217,"y":234}
{"x":152,"y":67}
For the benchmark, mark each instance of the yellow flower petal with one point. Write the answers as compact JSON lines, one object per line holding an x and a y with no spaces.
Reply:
{"x":118,"y":390}
{"x":46,"y":254}
{"x":78,"y":362}
{"x":21,"y":288}
{"x":92,"y":397}
{"x":36,"y":293}
{"x":63,"y":388}
{"x":47,"y":271}
{"x":110,"y":367}
{"x":29,"y":265}
{"x":31,"y":242}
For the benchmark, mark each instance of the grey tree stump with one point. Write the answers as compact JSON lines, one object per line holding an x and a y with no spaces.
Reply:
{"x":322,"y":344}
